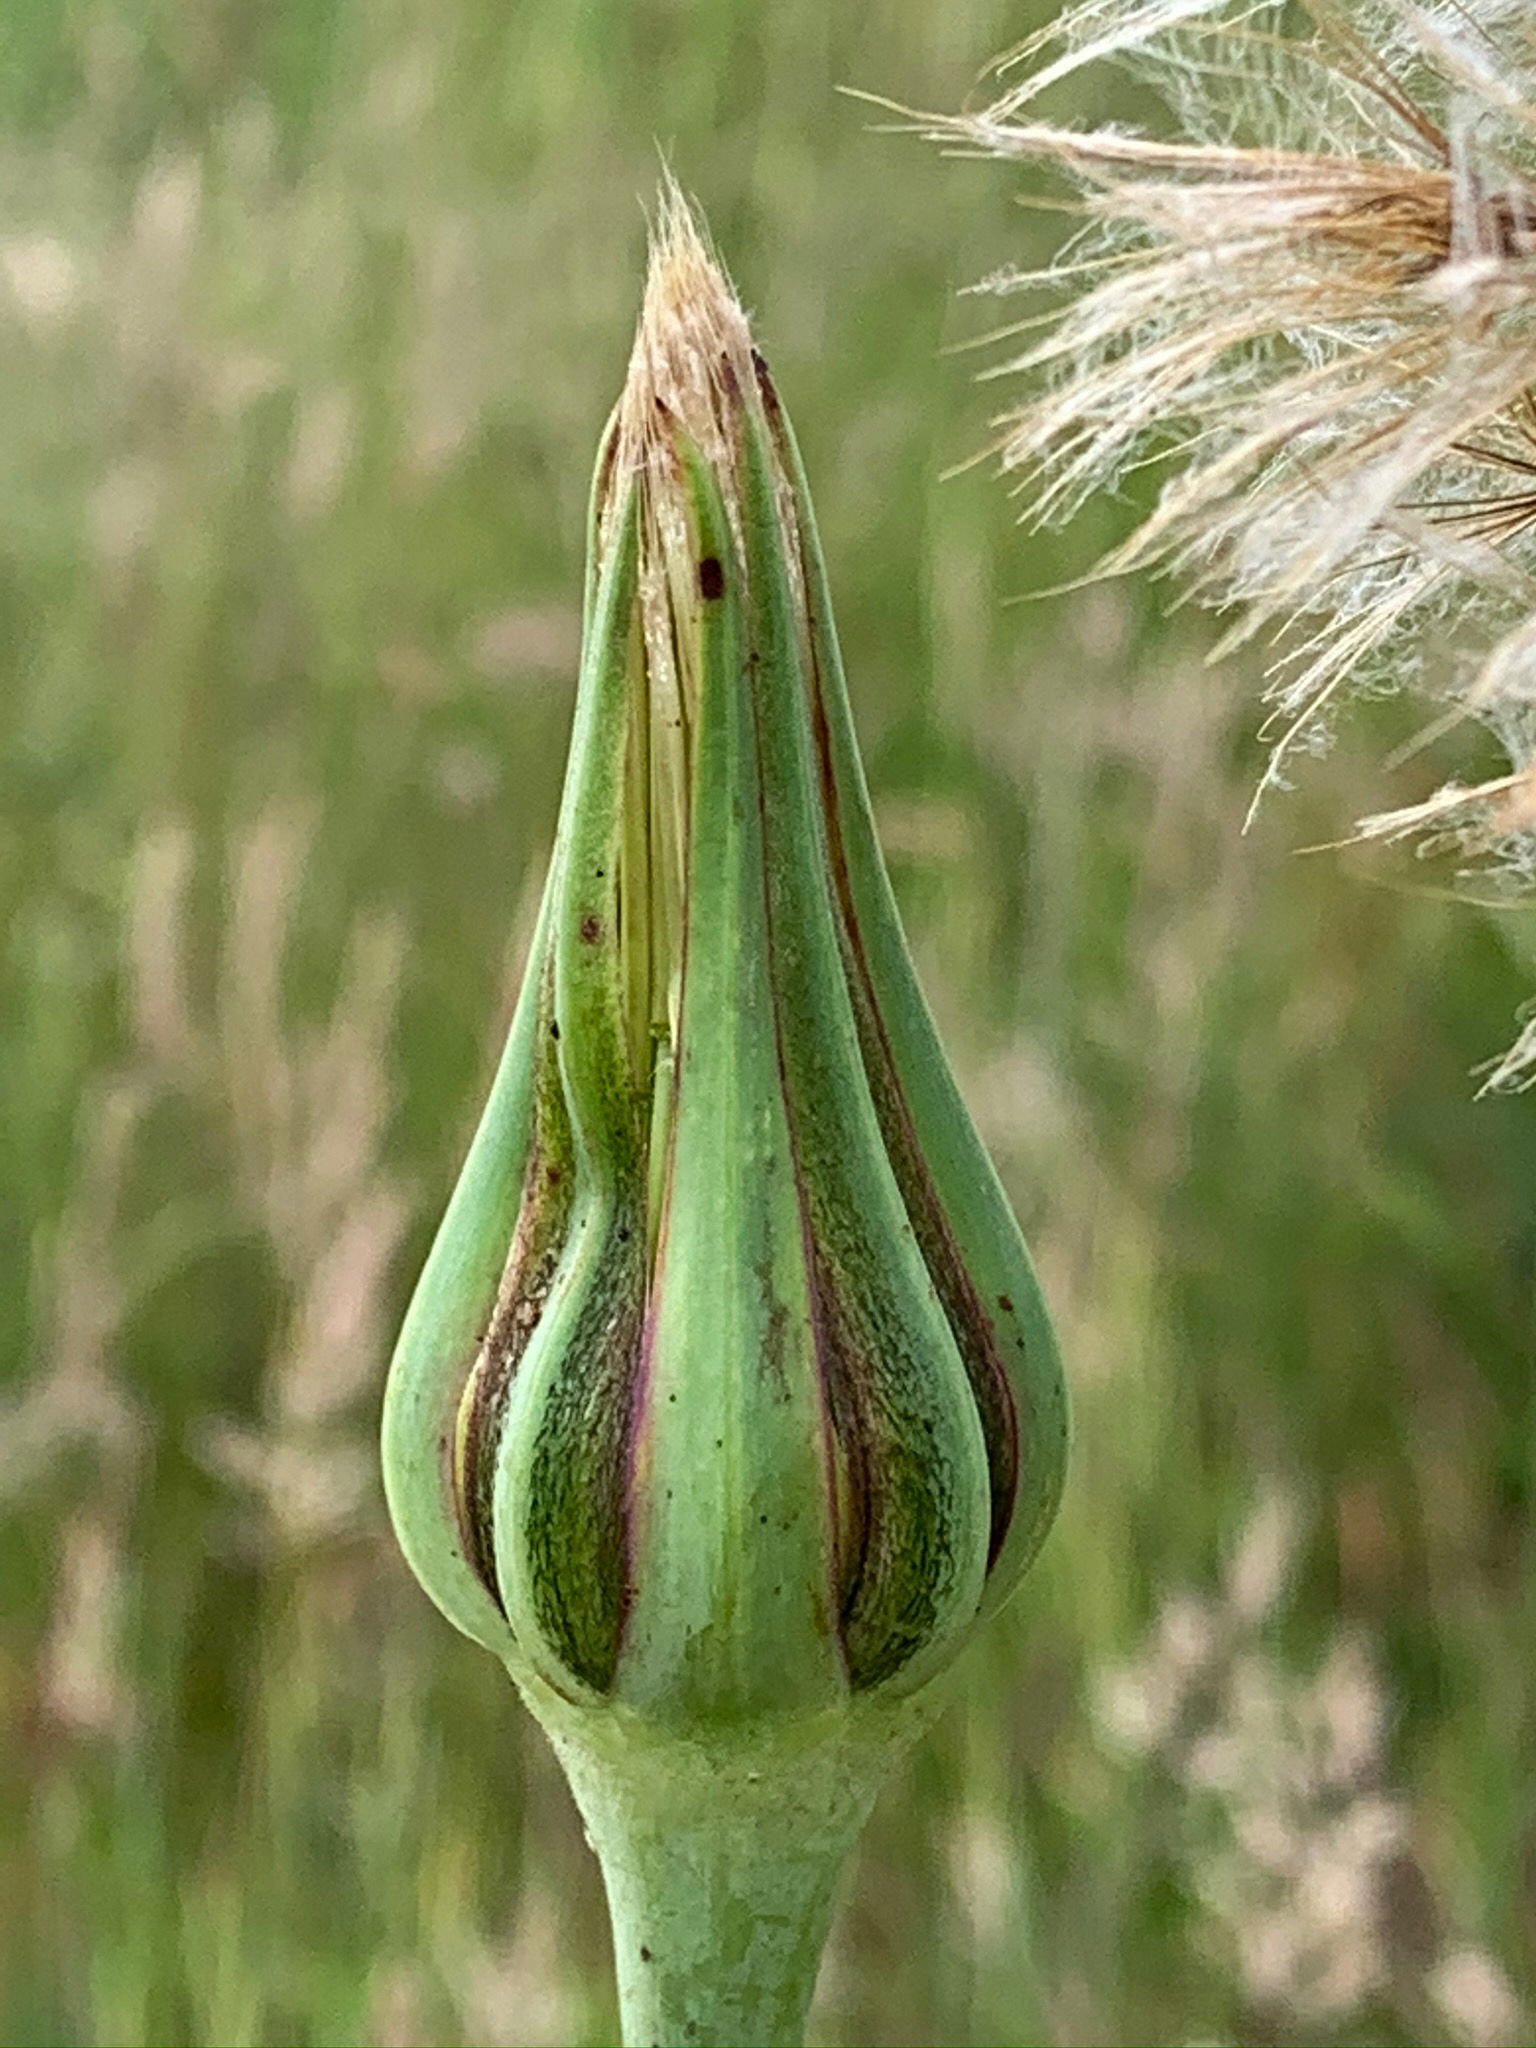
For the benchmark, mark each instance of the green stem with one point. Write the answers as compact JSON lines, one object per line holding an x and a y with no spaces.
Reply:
{"x":721,"y":1860}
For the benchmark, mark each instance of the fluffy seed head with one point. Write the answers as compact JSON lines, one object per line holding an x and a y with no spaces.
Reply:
{"x":1313,"y":309}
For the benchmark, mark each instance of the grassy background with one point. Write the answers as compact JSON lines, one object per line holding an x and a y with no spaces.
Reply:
{"x":309,"y":316}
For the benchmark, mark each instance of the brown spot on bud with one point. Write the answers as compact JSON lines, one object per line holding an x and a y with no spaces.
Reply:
{"x":711,"y":577}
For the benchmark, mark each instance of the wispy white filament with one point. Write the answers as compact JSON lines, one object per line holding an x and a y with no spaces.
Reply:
{"x":1312,"y":302}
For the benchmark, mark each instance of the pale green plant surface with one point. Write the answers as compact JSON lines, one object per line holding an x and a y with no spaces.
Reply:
{"x":310,"y":317}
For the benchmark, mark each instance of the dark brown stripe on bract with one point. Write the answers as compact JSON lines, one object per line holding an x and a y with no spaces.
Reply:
{"x":543,"y":1222}
{"x":897,"y":1514}
{"x":575,"y":1534}
{"x":974,"y":1332}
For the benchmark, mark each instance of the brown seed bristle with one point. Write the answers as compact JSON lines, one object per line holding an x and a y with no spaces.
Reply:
{"x":693,"y":348}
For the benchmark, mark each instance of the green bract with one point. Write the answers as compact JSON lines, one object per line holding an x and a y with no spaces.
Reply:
{"x":727,"y":1402}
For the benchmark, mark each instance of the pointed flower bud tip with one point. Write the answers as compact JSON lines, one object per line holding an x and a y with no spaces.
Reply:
{"x":728,"y":1390}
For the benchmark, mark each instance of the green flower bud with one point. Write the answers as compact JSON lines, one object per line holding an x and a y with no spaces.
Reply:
{"x":727,"y":1393}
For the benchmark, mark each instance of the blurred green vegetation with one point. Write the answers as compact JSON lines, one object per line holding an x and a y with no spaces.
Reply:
{"x":309,"y":317}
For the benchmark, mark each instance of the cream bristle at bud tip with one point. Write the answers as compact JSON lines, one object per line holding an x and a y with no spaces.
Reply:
{"x":693,"y":347}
